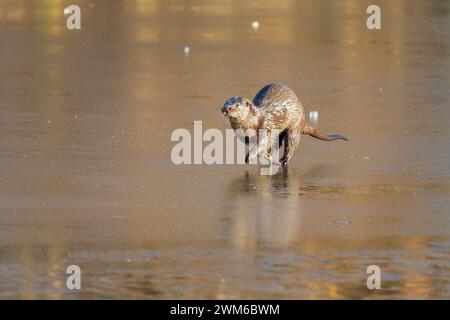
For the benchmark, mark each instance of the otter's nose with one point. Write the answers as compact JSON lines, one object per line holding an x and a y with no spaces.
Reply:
{"x":224,"y":110}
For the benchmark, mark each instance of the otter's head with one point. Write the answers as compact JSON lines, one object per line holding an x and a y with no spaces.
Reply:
{"x":238,"y":108}
{"x":235,"y":107}
{"x":241,"y":112}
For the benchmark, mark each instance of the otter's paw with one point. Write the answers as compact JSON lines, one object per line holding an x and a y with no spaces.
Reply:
{"x":284,"y":162}
{"x":251,"y":158}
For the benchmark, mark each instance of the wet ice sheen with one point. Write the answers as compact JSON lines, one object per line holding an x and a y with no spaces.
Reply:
{"x":86,"y":177}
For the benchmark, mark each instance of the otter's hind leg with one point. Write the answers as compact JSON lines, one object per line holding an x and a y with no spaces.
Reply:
{"x":292,"y":140}
{"x":282,"y":139}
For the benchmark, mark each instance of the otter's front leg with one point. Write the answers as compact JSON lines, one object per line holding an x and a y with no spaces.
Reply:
{"x":252,"y":155}
{"x":262,"y":148}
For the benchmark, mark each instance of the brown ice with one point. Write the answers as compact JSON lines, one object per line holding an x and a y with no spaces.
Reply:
{"x":86,"y":176}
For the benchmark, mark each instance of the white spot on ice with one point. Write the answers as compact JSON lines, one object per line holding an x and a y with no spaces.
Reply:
{"x":314,"y":117}
{"x":255,"y":25}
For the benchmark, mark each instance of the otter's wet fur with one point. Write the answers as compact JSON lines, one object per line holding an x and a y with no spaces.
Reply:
{"x":276,"y":109}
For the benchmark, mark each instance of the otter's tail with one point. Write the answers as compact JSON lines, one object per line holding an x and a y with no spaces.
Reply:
{"x":307,"y":129}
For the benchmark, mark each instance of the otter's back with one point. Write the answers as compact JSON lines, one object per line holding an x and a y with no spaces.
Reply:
{"x":275,"y":94}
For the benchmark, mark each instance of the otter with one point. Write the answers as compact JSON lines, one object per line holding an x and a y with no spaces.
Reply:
{"x":276,"y":109}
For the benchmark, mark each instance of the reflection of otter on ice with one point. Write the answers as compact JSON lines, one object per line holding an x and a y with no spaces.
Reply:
{"x":268,"y":210}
